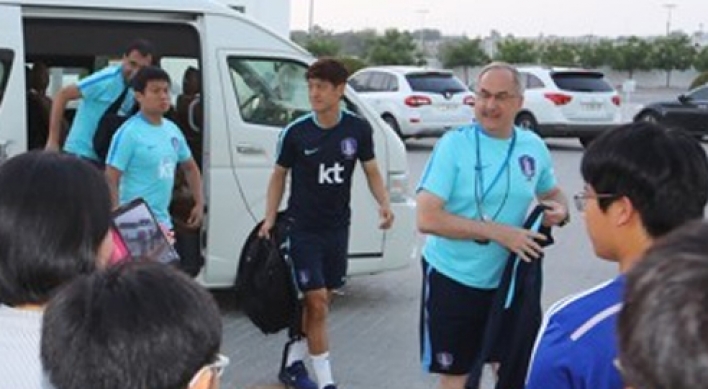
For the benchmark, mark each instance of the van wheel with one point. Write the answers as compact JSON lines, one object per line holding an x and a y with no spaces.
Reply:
{"x":526,"y":121}
{"x":391,"y":121}
{"x":586,"y":140}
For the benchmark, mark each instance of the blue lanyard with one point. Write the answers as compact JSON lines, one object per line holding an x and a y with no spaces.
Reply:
{"x":503,"y":167}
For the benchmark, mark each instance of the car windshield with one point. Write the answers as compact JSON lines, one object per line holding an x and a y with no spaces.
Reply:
{"x":435,"y":83}
{"x":581,"y":82}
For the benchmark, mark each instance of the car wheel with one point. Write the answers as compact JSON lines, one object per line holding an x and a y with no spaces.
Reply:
{"x":391,"y":121}
{"x":649,"y":117}
{"x":527,"y":121}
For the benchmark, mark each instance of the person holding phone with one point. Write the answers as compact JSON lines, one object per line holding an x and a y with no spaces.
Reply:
{"x":55,"y":214}
{"x":147,"y":149}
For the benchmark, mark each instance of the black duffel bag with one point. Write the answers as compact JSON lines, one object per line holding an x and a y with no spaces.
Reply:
{"x":108,"y":124}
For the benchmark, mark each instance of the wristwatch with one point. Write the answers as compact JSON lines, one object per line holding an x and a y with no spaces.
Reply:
{"x":566,"y":220}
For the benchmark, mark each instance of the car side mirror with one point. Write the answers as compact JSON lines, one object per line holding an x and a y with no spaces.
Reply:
{"x":684,"y":99}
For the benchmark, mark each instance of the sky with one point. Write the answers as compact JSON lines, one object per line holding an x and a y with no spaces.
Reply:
{"x":521,"y":18}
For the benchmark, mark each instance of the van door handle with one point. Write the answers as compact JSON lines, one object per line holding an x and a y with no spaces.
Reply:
{"x":245,"y":148}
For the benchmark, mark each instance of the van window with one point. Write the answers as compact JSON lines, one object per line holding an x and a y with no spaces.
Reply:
{"x":269,"y":91}
{"x":6,"y":57}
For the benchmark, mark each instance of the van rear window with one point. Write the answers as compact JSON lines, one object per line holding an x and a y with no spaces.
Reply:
{"x":582,"y":82}
{"x":435,"y":83}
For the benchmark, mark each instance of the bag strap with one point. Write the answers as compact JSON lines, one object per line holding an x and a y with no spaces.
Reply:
{"x":115,"y":106}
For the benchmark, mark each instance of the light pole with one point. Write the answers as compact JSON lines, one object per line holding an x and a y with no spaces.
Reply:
{"x":311,"y":18}
{"x":422,"y":13}
{"x":669,"y":8}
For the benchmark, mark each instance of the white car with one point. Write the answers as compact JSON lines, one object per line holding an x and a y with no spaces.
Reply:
{"x":566,"y":102}
{"x":416,"y":102}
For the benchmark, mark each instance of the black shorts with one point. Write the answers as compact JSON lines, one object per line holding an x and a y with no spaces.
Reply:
{"x":452,"y":321}
{"x":319,"y":258}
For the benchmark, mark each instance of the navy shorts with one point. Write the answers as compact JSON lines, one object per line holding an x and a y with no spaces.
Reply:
{"x":319,"y":258}
{"x":452,"y":321}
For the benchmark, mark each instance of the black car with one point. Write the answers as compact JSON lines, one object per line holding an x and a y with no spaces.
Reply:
{"x":688,"y":112}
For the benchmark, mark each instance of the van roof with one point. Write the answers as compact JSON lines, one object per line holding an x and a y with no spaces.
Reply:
{"x":198,"y":6}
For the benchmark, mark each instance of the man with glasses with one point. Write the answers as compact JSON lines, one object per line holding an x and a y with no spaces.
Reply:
{"x":474,"y":195}
{"x":135,"y":325}
{"x":641,"y":182}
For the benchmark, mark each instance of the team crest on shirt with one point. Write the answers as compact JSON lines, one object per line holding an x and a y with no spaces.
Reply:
{"x":175,"y":143}
{"x":445,"y":360}
{"x":528,"y":166}
{"x":304,"y":277}
{"x":349,"y":147}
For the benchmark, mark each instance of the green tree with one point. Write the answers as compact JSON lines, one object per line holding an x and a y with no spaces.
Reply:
{"x":463,"y":53}
{"x":700,"y":61}
{"x":673,"y":52}
{"x":558,"y":54}
{"x":352,"y":63}
{"x":323,"y":47}
{"x":631,"y":55}
{"x":393,"y":48}
{"x":595,"y":55}
{"x":516,"y":51}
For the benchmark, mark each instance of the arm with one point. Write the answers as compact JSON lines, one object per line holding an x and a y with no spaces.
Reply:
{"x":432,"y":218}
{"x":378,"y":190}
{"x":276,"y":187}
{"x":56,"y":115}
{"x":113,"y":176}
{"x":194,"y":180}
{"x":557,"y":203}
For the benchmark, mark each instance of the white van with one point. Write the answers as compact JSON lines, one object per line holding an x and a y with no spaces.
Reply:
{"x":252,"y":85}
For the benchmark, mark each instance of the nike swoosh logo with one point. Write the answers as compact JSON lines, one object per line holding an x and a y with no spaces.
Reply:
{"x":311,"y":151}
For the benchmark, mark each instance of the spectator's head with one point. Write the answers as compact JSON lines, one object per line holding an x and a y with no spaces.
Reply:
{"x":641,"y":180}
{"x":54,"y":225}
{"x":663,"y":325}
{"x":499,"y":96}
{"x":136,"y":325}
{"x":191,"y":85}
{"x":326,"y":81}
{"x":137,"y":55}
{"x":152,"y":90}
{"x":39,"y":77}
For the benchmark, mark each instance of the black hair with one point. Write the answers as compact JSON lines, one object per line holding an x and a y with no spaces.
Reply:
{"x":663,"y":172}
{"x":328,"y":69}
{"x":142,"y":46}
{"x":141,"y":325}
{"x":663,"y":325}
{"x":147,"y":74}
{"x":190,"y":81}
{"x":54,"y":215}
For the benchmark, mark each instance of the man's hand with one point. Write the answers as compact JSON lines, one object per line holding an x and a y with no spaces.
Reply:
{"x":519,"y":241}
{"x":196,"y":216}
{"x":554,"y":214}
{"x":268,"y":224}
{"x":385,"y":218}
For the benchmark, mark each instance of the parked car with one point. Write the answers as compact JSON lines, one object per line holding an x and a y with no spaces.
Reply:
{"x":688,"y":112}
{"x":566,"y":102}
{"x":416,"y":102}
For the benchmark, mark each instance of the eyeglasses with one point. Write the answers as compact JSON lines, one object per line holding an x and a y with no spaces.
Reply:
{"x":581,"y":199}
{"x":501,"y":97}
{"x":217,"y":368}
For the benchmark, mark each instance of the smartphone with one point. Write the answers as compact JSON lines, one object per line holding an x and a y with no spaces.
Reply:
{"x":139,"y":235}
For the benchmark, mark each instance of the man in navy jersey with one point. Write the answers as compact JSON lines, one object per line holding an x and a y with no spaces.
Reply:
{"x":320,"y":151}
{"x":641,"y":182}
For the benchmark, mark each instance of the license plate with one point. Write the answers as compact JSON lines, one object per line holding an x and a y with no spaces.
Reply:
{"x":592,"y":106}
{"x":447,"y":107}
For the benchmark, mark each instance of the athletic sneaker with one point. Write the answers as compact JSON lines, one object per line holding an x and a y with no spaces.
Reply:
{"x":295,"y":376}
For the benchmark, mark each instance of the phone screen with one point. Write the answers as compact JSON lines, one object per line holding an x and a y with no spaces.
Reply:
{"x":141,"y":233}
